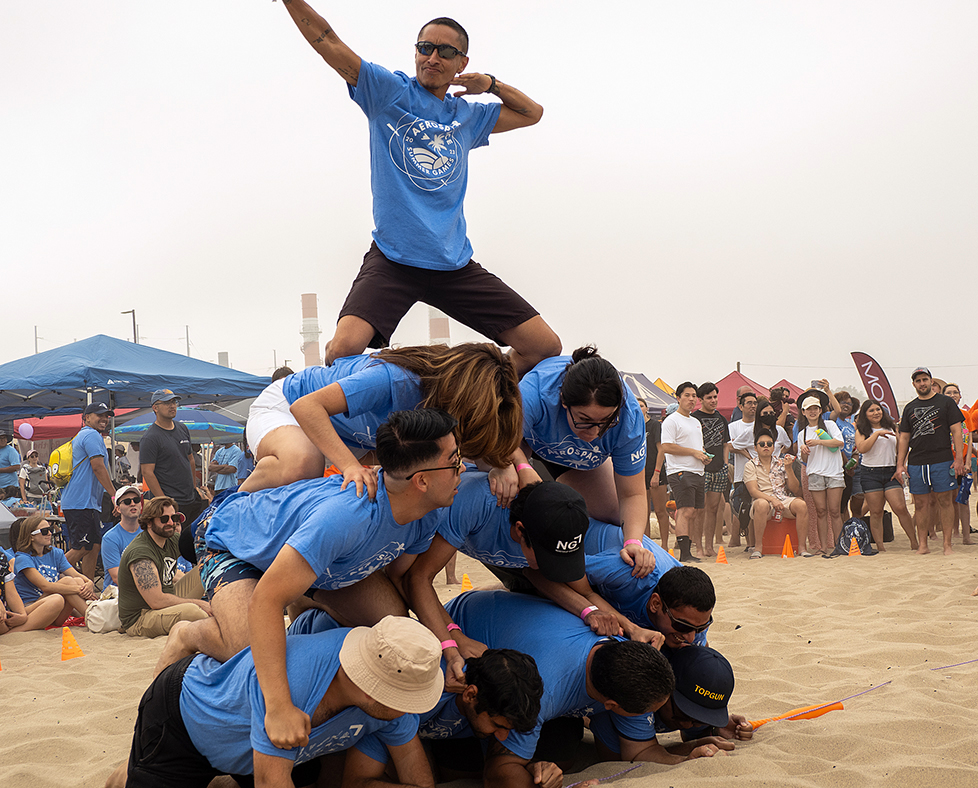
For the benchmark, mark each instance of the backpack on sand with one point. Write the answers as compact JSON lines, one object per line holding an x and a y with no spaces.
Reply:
{"x":854,"y":528}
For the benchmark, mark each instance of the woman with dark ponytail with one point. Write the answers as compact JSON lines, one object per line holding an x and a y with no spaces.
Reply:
{"x":586,"y":427}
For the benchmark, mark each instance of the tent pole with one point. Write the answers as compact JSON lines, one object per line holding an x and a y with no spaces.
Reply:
{"x":112,"y":462}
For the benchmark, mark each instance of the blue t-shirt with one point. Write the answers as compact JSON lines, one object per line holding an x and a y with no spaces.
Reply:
{"x":419,"y":170}
{"x":612,"y":578}
{"x":445,"y":721}
{"x":83,"y":490}
{"x":51,"y":566}
{"x":224,"y":710}
{"x":228,"y":455}
{"x":548,"y":432}
{"x":559,"y":642}
{"x":373,"y":389}
{"x":847,"y":426}
{"x":343,"y":538}
{"x":9,"y":456}
{"x":114,"y":541}
{"x":475,"y":525}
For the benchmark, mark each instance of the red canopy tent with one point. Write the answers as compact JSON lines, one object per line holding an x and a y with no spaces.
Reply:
{"x":795,"y":392}
{"x":55,"y":428}
{"x":728,"y":391}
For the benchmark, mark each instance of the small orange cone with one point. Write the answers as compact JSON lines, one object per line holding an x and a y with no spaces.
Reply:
{"x":787,"y":551}
{"x":672,"y":553}
{"x":853,"y":547}
{"x":69,"y":646}
{"x":722,"y":556}
{"x":466,"y":583}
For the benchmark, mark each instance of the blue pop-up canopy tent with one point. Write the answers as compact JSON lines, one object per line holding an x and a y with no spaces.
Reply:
{"x":119,"y":373}
{"x":204,"y":426}
{"x":655,"y":398}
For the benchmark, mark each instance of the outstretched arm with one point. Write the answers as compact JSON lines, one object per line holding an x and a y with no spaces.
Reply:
{"x":317,"y":31}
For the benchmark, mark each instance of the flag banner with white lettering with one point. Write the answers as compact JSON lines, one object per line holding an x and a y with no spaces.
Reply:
{"x":877,"y":386}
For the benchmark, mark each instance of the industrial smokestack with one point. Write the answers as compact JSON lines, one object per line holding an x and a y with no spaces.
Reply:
{"x":438,"y":330}
{"x":222,"y":358}
{"x":311,"y":353}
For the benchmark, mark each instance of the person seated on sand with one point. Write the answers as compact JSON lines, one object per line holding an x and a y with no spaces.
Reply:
{"x":697,"y":707}
{"x":500,"y":692}
{"x":42,"y":570}
{"x":128,"y":505}
{"x":673,"y":602}
{"x":769,"y":482}
{"x":200,"y":719}
{"x":14,"y":615}
{"x":583,"y":674}
{"x":151,"y":599}
{"x":260,"y":552}
{"x":538,"y":543}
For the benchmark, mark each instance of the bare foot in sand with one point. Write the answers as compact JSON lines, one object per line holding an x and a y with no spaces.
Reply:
{"x":923,"y":549}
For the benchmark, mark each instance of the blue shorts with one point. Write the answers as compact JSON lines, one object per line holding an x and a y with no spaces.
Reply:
{"x":936,"y":477}
{"x":879,"y":479}
{"x":218,"y":568}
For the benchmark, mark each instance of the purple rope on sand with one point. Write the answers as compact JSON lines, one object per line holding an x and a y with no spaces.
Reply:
{"x":956,"y":664}
{"x":609,"y":777}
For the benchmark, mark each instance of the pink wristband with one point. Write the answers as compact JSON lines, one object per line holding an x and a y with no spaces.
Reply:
{"x":452,"y":626}
{"x":523,"y":466}
{"x":632,"y":541}
{"x":587,"y":611}
{"x":448,"y":644}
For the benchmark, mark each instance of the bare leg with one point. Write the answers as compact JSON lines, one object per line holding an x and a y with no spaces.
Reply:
{"x":351,"y":338}
{"x":363,"y":604}
{"x":284,"y":456}
{"x":531,"y":342}
{"x":814,"y":539}
{"x":760,"y":512}
{"x":598,"y":489}
{"x":923,"y":510}
{"x":220,"y":636}
{"x":710,"y":523}
{"x":119,"y":776}
{"x":451,"y":577}
{"x":696,"y":522}
{"x":964,"y":515}
{"x":659,"y":500}
{"x":800,"y":510}
{"x":898,"y":503}
{"x":945,"y":507}
{"x":87,"y":558}
{"x":822,"y":513}
{"x":42,"y":613}
{"x":834,"y":502}
{"x":875,"y":499}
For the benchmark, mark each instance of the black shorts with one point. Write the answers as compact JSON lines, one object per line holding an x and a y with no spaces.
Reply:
{"x":688,"y":490}
{"x":553,"y":468}
{"x":84,"y":528}
{"x":384,"y":291}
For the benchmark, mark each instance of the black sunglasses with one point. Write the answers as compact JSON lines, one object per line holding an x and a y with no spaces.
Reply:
{"x":684,"y":627}
{"x":128,"y":501}
{"x":765,"y":444}
{"x":445,"y":51}
{"x":177,"y":518}
{"x":458,"y":464}
{"x":42,"y":532}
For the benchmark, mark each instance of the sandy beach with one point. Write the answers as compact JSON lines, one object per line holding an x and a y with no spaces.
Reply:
{"x":797,"y":631}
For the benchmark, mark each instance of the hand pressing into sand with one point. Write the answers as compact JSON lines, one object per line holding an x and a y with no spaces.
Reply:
{"x":737,"y":728}
{"x":713,"y":745}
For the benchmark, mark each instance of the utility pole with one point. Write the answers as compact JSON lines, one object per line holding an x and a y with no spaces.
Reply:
{"x":135,"y":338}
{"x":35,"y":340}
{"x":188,"y":339}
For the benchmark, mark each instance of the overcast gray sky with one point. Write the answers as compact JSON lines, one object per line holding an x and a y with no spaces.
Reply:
{"x":765,"y":182}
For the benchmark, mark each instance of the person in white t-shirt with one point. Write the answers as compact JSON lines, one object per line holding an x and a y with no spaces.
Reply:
{"x":819,"y":444}
{"x":682,"y":440}
{"x":741,"y":440}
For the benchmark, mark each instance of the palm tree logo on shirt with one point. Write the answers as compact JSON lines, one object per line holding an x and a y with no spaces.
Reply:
{"x":426,"y":152}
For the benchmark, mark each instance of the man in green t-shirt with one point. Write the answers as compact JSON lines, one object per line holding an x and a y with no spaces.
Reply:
{"x":149,"y":601}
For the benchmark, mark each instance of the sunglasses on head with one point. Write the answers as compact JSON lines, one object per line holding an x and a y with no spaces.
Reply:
{"x":42,"y":532}
{"x":128,"y":501}
{"x":445,"y":51}
{"x":177,"y":518}
{"x":684,"y":627}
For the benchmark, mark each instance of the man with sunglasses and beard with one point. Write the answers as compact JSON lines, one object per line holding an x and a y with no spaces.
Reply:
{"x":150,"y":603}
{"x":420,"y":139}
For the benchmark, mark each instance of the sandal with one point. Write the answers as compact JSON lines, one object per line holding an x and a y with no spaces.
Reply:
{"x":756,"y":554}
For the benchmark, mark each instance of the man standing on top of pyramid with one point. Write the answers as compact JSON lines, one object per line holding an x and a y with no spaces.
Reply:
{"x":420,"y":138}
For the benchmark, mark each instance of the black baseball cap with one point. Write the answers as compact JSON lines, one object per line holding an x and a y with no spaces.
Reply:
{"x":98,"y":408}
{"x":555,"y":520}
{"x":704,"y":684}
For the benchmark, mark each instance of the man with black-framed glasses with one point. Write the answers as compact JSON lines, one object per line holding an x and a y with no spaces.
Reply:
{"x":151,"y":600}
{"x":420,"y":139}
{"x":314,"y":543}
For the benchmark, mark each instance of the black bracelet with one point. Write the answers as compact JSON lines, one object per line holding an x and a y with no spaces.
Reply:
{"x":492,"y":88}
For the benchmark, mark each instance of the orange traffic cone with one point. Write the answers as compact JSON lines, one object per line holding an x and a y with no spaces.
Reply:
{"x":69,"y":646}
{"x":787,"y":551}
{"x":721,"y":556}
{"x":853,"y":547}
{"x":466,"y":583}
{"x":672,"y":553}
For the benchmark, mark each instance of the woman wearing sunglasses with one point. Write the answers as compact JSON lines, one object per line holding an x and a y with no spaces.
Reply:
{"x":876,"y":441}
{"x":321,"y":415}
{"x":770,"y":480}
{"x":43,"y":571}
{"x":586,"y":427}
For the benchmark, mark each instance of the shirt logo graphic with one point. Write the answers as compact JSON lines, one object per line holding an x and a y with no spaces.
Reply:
{"x":426,"y":152}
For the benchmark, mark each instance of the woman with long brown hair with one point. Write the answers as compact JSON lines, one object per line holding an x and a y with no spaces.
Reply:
{"x":42,"y":570}
{"x":327,"y":413}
